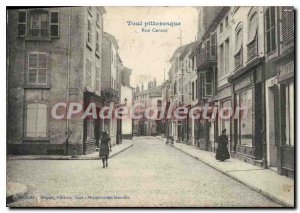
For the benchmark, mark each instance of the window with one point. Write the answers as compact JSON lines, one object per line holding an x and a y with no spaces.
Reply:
{"x":252,"y":27}
{"x":289,"y":114}
{"x":239,"y":39}
{"x":37,"y":68}
{"x":88,"y":73}
{"x":221,"y":27}
{"x":226,"y":56}
{"x":159,"y":103}
{"x":226,"y":21}
{"x":98,"y":42}
{"x":175,"y":87}
{"x":89,"y":32}
{"x":287,"y":25}
{"x":270,"y":29}
{"x":54,"y":24}
{"x":208,"y":83}
{"x":98,"y":88}
{"x":40,"y":24}
{"x":221,"y":59}
{"x":193,"y":90}
{"x":36,"y":120}
{"x":22,"y":23}
{"x":245,"y":126}
{"x":213,"y":45}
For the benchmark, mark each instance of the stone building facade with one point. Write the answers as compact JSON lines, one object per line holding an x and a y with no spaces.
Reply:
{"x":54,"y":55}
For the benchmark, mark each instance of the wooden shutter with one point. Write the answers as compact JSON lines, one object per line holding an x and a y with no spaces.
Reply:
{"x":213,"y":45}
{"x":41,"y":130}
{"x":54,"y":24}
{"x":287,"y":24}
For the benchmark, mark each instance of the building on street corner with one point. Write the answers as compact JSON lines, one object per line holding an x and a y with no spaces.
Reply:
{"x":54,"y":55}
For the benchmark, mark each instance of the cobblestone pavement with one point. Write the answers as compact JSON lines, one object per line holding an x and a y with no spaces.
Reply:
{"x":148,"y":174}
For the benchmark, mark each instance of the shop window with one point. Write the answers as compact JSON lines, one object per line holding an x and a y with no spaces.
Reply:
{"x":36,"y":120}
{"x":289,"y":114}
{"x":245,"y":123}
{"x":225,"y":123}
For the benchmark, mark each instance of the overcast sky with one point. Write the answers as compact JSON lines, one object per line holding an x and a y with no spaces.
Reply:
{"x":147,"y":53}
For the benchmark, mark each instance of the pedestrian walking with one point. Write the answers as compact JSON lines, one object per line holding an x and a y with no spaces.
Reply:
{"x":105,"y":148}
{"x":222,"y":150}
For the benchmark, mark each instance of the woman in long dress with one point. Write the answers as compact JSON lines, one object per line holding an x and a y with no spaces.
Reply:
{"x":104,"y":149}
{"x":222,"y":150}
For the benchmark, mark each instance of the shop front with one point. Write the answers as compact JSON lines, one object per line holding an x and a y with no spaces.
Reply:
{"x":248,"y":125}
{"x":286,"y":82}
{"x":92,"y":127}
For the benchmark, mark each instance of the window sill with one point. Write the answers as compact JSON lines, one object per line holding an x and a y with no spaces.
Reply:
{"x":34,"y":139}
{"x":30,"y":38}
{"x":33,"y":86}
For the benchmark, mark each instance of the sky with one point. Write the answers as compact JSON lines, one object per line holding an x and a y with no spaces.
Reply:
{"x":148,"y":53}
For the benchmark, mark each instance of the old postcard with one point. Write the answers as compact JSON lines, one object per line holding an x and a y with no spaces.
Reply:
{"x":150,"y":106}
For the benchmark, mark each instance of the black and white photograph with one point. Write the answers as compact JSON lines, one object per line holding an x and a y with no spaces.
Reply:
{"x":150,"y":106}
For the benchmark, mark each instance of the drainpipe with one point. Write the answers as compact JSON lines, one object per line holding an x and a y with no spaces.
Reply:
{"x":68,"y":83}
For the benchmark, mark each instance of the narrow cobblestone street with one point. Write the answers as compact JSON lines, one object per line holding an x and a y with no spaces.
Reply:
{"x":148,"y":174}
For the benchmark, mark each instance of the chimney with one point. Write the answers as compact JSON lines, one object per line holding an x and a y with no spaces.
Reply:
{"x":155,"y":82}
{"x":142,"y":86}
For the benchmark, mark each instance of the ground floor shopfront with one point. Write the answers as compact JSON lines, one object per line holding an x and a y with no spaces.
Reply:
{"x":247,"y":141}
{"x":285,"y":119}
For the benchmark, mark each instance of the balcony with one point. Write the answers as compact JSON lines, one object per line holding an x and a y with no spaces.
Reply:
{"x":252,"y":49}
{"x":207,"y":58}
{"x":238,"y":59}
{"x":110,"y":94}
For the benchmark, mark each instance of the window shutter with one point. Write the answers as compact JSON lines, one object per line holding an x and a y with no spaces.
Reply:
{"x":22,"y":23}
{"x":41,"y":130}
{"x":213,"y":45}
{"x":287,"y":25}
{"x":54,"y":24}
{"x":267,"y":29}
{"x":208,"y":48}
{"x":31,"y":120}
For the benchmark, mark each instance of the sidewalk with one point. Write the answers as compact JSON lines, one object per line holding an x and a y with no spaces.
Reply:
{"x":92,"y":156}
{"x":268,"y":183}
